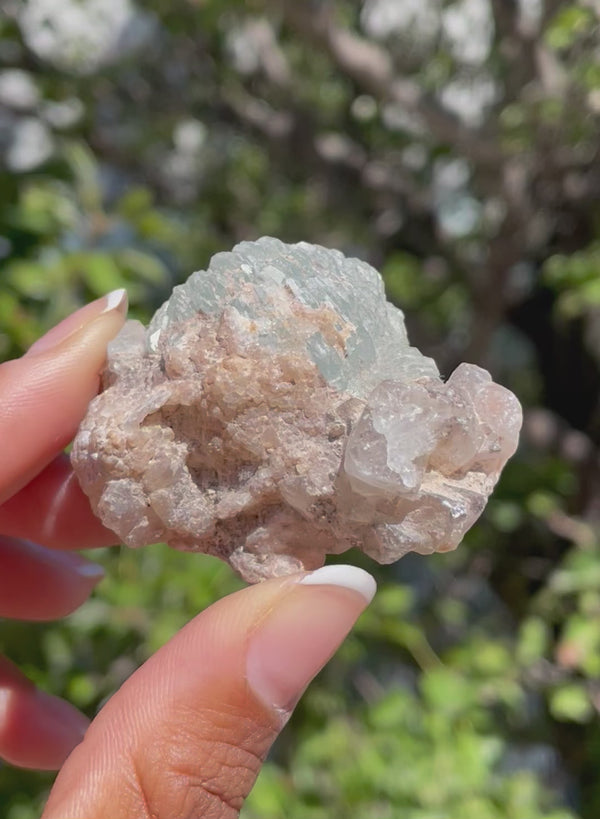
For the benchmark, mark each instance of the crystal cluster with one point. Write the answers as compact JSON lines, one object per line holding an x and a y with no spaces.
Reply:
{"x":274,"y":412}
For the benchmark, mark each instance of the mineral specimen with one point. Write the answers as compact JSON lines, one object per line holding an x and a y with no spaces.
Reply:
{"x":274,"y":412}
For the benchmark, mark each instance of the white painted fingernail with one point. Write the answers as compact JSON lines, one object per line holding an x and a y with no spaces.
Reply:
{"x":114,"y":299}
{"x":350,"y":577}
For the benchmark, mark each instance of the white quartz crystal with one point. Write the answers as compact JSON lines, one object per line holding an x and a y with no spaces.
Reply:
{"x":274,"y":411}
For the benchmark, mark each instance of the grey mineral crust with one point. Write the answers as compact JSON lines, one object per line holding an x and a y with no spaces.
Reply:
{"x":274,"y":412}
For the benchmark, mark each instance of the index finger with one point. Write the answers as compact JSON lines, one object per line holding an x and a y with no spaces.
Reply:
{"x":44,"y":395}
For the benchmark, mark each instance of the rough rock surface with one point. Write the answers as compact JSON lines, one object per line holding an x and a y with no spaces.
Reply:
{"x":274,"y":412}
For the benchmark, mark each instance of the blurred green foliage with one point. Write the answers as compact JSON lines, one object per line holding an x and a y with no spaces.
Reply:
{"x":471,"y":687}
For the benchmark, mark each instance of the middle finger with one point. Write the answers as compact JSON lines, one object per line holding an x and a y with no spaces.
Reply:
{"x":53,"y":510}
{"x":42,"y":584}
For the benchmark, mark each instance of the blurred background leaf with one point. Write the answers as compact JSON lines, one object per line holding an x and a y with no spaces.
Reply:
{"x":451,"y":143}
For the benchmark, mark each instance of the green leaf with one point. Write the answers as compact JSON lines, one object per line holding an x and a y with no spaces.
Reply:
{"x":571,"y":23}
{"x":99,"y":271}
{"x":447,"y":691}
{"x":571,"y":703}
{"x":30,"y":279}
{"x":142,"y":265}
{"x":533,"y":641}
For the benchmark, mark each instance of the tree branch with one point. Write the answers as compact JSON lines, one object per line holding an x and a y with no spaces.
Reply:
{"x":506,"y":16}
{"x":292,"y":131}
{"x":371,"y":67}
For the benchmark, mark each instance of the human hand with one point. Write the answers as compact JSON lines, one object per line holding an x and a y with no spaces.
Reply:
{"x":186,"y":734}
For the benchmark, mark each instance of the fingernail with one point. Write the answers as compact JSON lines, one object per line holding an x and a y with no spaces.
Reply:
{"x":62,"y":719}
{"x":305,"y":629}
{"x":94,"y":571}
{"x":114,"y":301}
{"x":79,"y":566}
{"x":59,"y":728}
{"x":348,"y":577}
{"x":66,"y":561}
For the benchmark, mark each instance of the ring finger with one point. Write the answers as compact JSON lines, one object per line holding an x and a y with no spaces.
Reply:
{"x":37,"y":730}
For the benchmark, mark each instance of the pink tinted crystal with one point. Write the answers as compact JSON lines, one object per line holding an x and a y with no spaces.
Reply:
{"x":240,"y":424}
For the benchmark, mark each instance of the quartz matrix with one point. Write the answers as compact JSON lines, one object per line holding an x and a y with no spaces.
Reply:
{"x":274,"y":412}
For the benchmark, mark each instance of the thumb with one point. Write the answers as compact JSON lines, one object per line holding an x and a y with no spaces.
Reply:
{"x":186,"y":734}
